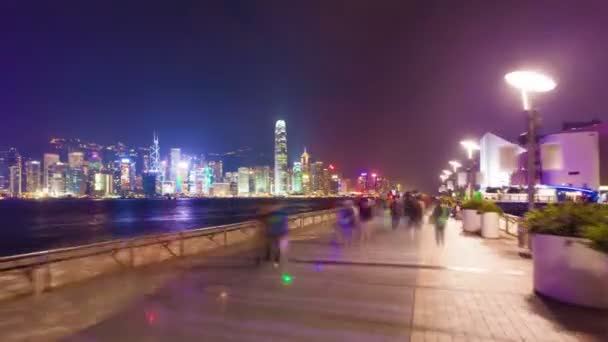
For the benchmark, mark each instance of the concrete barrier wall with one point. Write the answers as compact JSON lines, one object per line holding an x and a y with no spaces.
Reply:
{"x":35,"y":273}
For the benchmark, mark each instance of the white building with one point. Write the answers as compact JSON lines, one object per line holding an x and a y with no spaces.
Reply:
{"x":571,"y":159}
{"x":498,"y":159}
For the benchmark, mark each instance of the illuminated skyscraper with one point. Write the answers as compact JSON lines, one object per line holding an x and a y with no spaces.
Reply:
{"x":296,"y":178}
{"x":155,"y":170}
{"x":243,"y":181}
{"x":126,"y":172}
{"x":75,"y":160}
{"x":102,"y":184}
{"x":56,"y":179}
{"x":15,"y":181}
{"x":33,"y":175}
{"x":305,"y":161}
{"x":75,"y":182}
{"x":280,"y":158}
{"x":316,"y":175}
{"x":262,"y":179}
{"x":48,"y":161}
{"x":175,"y":156}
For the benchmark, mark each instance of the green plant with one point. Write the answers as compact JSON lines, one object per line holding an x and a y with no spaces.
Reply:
{"x":572,"y":219}
{"x":598,"y":234}
{"x":473,"y":204}
{"x":489,"y":207}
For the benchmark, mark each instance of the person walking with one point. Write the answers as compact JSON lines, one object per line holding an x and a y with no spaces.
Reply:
{"x":439,"y":218}
{"x":366,"y":214}
{"x":347,"y":221}
{"x":275,"y":235}
{"x":396,"y":210}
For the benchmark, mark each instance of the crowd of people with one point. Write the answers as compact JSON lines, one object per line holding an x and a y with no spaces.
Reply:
{"x":354,"y":222}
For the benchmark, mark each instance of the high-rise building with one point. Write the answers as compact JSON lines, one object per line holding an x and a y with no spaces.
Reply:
{"x":305,"y":161}
{"x":316,"y":176}
{"x":48,"y":161}
{"x":76,"y":160}
{"x":14,"y":189}
{"x":33,"y":175}
{"x":217,"y":168}
{"x":181,"y":177}
{"x":56,"y":179}
{"x":243,"y":181}
{"x":127,"y":175}
{"x":175,"y":157}
{"x":261,"y":175}
{"x":296,"y":178}
{"x":102,"y":184}
{"x":280,"y":158}
{"x":75,"y":181}
{"x":8,"y":159}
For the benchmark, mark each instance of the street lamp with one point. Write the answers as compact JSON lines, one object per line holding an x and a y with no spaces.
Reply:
{"x":455,"y":165}
{"x":530,"y":82}
{"x":470,"y":146}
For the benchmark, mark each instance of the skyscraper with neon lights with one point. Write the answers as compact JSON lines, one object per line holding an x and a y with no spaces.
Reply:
{"x":280,"y":158}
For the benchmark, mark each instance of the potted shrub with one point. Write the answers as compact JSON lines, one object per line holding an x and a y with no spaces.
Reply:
{"x":570,"y":253}
{"x":490,"y":215}
{"x":471,"y":220}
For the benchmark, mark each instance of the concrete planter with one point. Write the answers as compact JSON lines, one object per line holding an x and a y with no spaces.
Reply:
{"x":490,"y":226}
{"x":471,"y":221}
{"x":568,"y":270}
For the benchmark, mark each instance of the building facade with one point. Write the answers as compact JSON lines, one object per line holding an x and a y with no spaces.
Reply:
{"x":296,"y":178}
{"x":243,"y":181}
{"x":571,"y":159}
{"x":33,"y":177}
{"x":49,"y":159}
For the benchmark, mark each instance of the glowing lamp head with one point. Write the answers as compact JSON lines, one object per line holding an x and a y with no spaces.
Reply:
{"x":530,"y":82}
{"x":470,"y":146}
{"x":455,"y":164}
{"x":182,"y":165}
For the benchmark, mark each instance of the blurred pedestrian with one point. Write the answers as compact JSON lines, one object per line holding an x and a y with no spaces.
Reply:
{"x":439,"y":218}
{"x":275,"y":235}
{"x":347,"y":221}
{"x":366,"y":214}
{"x":396,"y":211}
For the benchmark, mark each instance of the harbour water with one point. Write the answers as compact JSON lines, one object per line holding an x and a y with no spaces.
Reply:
{"x":29,"y":226}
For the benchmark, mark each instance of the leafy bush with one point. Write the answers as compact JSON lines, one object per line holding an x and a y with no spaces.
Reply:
{"x":473,"y":204}
{"x":573,"y":220}
{"x":598,"y":235}
{"x":489,"y":207}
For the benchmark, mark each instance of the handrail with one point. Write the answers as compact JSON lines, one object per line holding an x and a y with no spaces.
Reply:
{"x":137,"y":241}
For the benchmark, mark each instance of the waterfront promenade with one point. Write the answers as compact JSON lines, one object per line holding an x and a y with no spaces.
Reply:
{"x":399,"y":287}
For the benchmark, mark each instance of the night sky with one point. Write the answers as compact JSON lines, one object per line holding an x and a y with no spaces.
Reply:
{"x":390,"y":85}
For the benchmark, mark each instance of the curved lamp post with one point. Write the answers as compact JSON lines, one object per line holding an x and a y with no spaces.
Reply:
{"x":530,"y":82}
{"x":471,"y":147}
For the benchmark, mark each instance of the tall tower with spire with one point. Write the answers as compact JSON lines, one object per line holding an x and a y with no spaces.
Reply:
{"x":305,"y":161}
{"x":280,"y":158}
{"x":155,"y":155}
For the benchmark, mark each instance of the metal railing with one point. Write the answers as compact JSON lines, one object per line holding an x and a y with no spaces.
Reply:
{"x":56,"y":267}
{"x":516,"y":198}
{"x":512,"y":225}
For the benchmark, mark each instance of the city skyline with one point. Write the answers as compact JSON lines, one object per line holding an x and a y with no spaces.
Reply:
{"x":84,"y":169}
{"x":214,"y":75}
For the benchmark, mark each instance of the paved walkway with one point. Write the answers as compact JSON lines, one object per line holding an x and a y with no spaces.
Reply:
{"x":398,"y":287}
